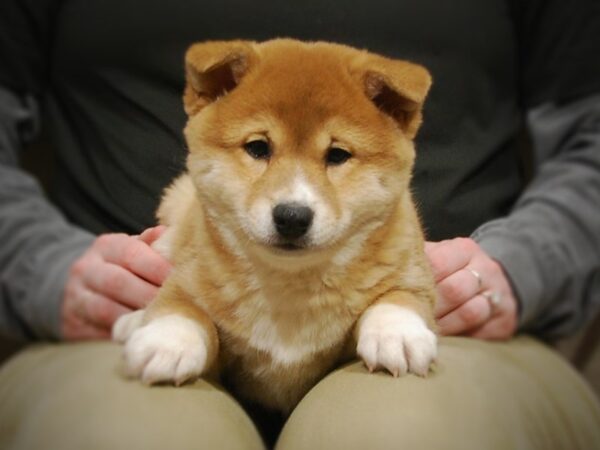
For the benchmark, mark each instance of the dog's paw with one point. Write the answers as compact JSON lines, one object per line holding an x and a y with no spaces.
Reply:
{"x":168,"y":349}
{"x":397,"y":339}
{"x":126,"y":325}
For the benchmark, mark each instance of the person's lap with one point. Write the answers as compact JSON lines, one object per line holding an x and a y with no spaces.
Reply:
{"x":481,"y":395}
{"x":73,"y":396}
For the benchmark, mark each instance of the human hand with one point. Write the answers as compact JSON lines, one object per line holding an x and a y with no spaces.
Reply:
{"x":117,"y":274}
{"x":474,"y":295}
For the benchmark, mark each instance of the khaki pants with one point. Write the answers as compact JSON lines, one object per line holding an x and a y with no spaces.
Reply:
{"x":515,"y":395}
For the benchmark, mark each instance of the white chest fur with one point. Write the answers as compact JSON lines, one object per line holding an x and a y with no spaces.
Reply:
{"x":293,"y":337}
{"x":292,"y":323}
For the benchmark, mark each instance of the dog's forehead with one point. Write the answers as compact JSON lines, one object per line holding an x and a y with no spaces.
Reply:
{"x":303,"y":60}
{"x":306,"y":87}
{"x":305,"y":94}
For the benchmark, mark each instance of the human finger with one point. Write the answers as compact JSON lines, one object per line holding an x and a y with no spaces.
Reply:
{"x":101,"y":311}
{"x":456,"y":289}
{"x":116,"y":282}
{"x":75,"y":328}
{"x":150,"y":235}
{"x":470,"y":315}
{"x":432,"y":245}
{"x":449,"y":256}
{"x":135,"y":256}
{"x":498,"y":328}
{"x":503,"y":323}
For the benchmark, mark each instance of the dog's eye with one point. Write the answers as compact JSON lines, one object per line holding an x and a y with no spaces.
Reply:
{"x":258,"y":149}
{"x":336,"y":156}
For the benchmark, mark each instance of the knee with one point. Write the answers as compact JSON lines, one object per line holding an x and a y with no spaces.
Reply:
{"x":354,"y":409}
{"x":71,"y":397}
{"x":482,"y":395}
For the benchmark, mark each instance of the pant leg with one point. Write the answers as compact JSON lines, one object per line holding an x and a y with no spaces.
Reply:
{"x":482,"y":396}
{"x":71,"y":396}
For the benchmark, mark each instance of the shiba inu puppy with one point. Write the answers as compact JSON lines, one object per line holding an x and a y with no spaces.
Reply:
{"x":293,"y":235}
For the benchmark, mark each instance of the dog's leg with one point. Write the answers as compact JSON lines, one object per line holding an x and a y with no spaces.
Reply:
{"x":393,"y":333}
{"x":176,"y":342}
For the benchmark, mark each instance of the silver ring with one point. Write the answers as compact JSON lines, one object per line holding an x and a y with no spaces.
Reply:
{"x":477,"y":276}
{"x":494,"y":298}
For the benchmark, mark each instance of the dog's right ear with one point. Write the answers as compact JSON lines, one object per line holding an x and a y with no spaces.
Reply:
{"x":213,"y":69}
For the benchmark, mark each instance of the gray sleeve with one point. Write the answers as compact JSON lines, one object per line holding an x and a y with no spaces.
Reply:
{"x":37,"y":245}
{"x":549,"y":245}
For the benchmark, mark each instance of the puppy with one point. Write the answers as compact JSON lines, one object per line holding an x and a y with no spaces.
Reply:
{"x":293,"y":235}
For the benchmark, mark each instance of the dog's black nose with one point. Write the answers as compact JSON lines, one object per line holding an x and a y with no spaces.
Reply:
{"x":292,"y":220}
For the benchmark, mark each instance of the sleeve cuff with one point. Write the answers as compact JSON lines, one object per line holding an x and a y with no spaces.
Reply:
{"x":50,"y":270}
{"x":519,"y":264}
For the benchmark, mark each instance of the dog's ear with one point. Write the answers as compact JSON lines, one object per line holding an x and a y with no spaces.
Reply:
{"x":213,"y":69}
{"x":397,"y":88}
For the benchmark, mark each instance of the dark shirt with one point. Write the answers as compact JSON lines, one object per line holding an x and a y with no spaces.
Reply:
{"x":111,"y":76}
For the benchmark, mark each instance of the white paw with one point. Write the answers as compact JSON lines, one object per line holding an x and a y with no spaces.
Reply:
{"x":397,"y":339}
{"x":127,"y":324}
{"x":170,"y":348}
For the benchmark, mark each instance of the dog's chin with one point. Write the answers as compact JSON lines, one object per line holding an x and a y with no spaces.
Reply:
{"x":290,"y":256}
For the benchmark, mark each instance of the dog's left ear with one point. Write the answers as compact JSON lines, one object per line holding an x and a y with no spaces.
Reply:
{"x":213,"y":69}
{"x":398,"y":88}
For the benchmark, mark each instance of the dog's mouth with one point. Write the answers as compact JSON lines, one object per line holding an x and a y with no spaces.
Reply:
{"x":289,"y":247}
{"x":288,"y":254}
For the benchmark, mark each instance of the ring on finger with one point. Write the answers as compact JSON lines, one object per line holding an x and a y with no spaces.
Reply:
{"x":494,"y":298}
{"x":477,"y":276}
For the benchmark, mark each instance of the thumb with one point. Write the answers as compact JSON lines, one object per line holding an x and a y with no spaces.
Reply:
{"x":149,"y":235}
